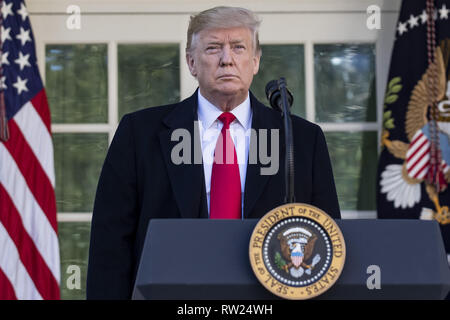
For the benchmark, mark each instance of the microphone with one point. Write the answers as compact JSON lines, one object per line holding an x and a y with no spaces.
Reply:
{"x":281,"y":100}
{"x":273,"y":94}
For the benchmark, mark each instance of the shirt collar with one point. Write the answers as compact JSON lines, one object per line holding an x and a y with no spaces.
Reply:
{"x":208,"y":113}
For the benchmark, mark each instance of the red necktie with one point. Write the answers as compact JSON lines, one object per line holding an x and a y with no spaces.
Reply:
{"x":225,"y":197}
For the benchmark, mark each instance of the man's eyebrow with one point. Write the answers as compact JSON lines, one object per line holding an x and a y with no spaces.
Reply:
{"x":214,"y":42}
{"x":218,"y":42}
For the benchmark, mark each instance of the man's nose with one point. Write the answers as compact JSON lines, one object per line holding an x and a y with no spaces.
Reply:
{"x":226,"y":59}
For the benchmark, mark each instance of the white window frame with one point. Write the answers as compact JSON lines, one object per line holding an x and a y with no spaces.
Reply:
{"x":306,"y":22}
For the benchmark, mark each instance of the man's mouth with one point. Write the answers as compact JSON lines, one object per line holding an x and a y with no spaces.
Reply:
{"x":227,"y":76}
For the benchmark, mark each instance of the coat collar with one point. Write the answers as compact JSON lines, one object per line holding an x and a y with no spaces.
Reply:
{"x":187,"y":179}
{"x":255,"y":182}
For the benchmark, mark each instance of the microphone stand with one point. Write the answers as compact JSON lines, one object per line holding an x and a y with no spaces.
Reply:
{"x":289,"y":141}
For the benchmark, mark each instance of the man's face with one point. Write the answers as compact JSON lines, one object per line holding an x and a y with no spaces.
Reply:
{"x":224,"y":61}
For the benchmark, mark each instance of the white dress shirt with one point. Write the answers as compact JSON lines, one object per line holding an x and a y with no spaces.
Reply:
{"x":210,"y":128}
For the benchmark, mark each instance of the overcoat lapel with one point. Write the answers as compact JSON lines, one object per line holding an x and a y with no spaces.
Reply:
{"x":187,"y":179}
{"x":255,"y":182}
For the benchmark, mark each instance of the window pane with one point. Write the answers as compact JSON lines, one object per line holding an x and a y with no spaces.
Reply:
{"x":78,"y":161}
{"x":345,"y":82}
{"x":149,"y":75}
{"x":354,"y":159}
{"x":74,"y":250}
{"x":77,"y":83}
{"x":282,"y":61}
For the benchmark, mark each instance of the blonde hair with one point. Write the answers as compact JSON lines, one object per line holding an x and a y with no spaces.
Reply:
{"x":223,"y":17}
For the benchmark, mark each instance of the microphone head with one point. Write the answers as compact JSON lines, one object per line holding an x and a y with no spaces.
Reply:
{"x":273,"y":94}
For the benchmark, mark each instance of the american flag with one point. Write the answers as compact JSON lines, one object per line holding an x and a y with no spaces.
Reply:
{"x":29,"y":251}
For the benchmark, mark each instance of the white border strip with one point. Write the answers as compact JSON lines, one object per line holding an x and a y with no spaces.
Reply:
{"x":309,"y":81}
{"x":81,"y":128}
{"x":74,"y":217}
{"x":349,"y":126}
{"x":113,"y":89}
{"x":176,"y":6}
{"x":353,"y":214}
{"x":87,"y":216}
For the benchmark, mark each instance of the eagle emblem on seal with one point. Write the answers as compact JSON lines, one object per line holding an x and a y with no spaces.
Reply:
{"x":297,"y":247}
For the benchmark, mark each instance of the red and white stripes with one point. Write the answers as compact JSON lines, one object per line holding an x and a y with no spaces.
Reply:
{"x":418,"y":157}
{"x":29,"y":258}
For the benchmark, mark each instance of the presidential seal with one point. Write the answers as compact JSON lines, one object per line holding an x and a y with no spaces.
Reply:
{"x":297,"y":251}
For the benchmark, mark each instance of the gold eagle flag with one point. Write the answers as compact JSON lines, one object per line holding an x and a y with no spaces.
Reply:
{"x":414,"y":164}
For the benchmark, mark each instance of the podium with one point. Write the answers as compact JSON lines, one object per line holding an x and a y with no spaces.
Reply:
{"x":201,"y":259}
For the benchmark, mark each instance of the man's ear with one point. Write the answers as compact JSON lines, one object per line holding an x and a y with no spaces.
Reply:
{"x":191,"y":64}
{"x":256,"y":60}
